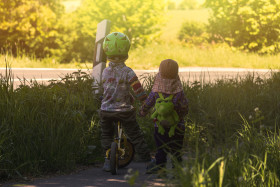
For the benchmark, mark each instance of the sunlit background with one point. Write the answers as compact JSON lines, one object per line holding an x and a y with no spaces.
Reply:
{"x":210,"y":33}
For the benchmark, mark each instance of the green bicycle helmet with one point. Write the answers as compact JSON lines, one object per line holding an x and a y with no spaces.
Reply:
{"x":116,"y":44}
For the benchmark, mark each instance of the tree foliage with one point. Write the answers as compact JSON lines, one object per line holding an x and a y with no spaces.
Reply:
{"x":193,"y":32}
{"x":250,"y":25}
{"x":139,"y":20}
{"x":42,"y":28}
{"x":29,"y":25}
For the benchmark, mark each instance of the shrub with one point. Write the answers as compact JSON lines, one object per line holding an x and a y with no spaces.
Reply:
{"x":141,"y":26}
{"x":193,"y":32}
{"x":247,"y":25}
{"x":29,"y":26}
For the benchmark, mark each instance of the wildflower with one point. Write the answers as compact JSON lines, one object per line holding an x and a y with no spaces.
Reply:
{"x":250,"y":117}
{"x":257,"y":109}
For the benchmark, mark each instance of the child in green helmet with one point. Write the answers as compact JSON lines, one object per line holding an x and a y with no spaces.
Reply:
{"x":117,"y":102}
{"x":171,"y":106}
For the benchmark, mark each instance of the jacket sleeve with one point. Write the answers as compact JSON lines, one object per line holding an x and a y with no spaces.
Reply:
{"x":136,"y":86}
{"x":149,"y":102}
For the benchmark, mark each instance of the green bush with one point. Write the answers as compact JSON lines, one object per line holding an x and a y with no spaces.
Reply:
{"x":29,"y":26}
{"x":247,"y":25}
{"x":141,"y":26}
{"x":42,"y":28}
{"x":193,"y":32}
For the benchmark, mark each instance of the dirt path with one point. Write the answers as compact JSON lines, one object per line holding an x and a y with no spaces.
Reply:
{"x":95,"y":177}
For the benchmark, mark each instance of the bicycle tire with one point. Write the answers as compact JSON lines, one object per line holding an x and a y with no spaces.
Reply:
{"x":114,"y":158}
{"x":129,"y":153}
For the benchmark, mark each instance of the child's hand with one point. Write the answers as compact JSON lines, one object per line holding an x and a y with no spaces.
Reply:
{"x":141,"y":113}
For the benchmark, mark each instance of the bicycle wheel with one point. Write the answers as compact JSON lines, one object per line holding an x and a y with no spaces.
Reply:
{"x":129,"y":153}
{"x":114,"y":158}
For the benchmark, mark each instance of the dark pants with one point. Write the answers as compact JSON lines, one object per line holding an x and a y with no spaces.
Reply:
{"x":130,"y":127}
{"x":166,"y":144}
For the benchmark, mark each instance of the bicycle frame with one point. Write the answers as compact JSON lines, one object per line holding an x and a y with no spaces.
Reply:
{"x":119,"y":136}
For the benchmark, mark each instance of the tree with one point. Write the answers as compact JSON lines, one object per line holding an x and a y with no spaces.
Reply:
{"x":29,"y":26}
{"x":139,"y":20}
{"x":250,"y":25}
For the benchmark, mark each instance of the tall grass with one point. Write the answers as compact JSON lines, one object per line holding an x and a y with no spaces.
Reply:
{"x":252,"y":160}
{"x":215,"y":107}
{"x":47,"y":128}
{"x":24,"y":61}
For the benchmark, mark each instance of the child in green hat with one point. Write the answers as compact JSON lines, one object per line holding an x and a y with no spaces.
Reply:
{"x":117,"y":102}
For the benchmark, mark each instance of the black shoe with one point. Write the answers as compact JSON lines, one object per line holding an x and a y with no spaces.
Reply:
{"x":106,"y":166}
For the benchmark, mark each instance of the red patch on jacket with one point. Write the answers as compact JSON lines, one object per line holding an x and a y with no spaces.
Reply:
{"x":136,"y":86}
{"x":110,"y":80}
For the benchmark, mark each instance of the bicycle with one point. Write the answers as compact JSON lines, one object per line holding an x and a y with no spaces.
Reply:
{"x":121,"y":152}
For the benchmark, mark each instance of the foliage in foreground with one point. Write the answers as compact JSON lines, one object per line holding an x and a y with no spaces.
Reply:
{"x":215,"y":107}
{"x":48,"y":128}
{"x":252,"y":160}
{"x":225,"y":148}
{"x":45,"y":128}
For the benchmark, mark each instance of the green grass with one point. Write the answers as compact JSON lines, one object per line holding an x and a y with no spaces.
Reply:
{"x":24,"y":61}
{"x":149,"y":57}
{"x":203,"y":56}
{"x":48,"y":128}
{"x":58,"y":122}
{"x":175,"y":19}
{"x":252,"y":160}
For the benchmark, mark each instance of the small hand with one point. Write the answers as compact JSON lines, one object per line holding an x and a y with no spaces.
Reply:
{"x":141,"y":113}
